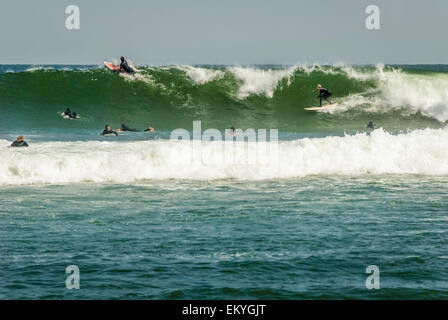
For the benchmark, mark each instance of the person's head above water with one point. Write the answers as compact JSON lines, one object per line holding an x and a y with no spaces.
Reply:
{"x":20,"y":138}
{"x":122,"y":59}
{"x":232,"y":128}
{"x":107,"y":127}
{"x":319,"y":86}
{"x":68,"y":110}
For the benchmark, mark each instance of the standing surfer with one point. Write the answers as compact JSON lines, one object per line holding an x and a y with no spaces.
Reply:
{"x":324,"y":94}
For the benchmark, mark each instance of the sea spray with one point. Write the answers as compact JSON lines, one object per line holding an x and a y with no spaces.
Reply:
{"x":380,"y":152}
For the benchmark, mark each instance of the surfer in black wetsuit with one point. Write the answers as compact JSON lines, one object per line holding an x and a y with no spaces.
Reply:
{"x":70,"y":114}
{"x":371,"y":125}
{"x":108,"y":130}
{"x":126,"y":128}
{"x":124,"y":67}
{"x":149,"y":129}
{"x":324,"y":94}
{"x":20,"y":142}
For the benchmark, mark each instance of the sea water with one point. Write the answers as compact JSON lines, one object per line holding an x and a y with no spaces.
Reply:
{"x":142,"y":221}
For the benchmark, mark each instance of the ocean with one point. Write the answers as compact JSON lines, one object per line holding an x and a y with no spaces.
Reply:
{"x":147,"y":215}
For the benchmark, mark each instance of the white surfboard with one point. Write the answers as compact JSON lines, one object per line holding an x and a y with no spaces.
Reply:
{"x":322,"y":108}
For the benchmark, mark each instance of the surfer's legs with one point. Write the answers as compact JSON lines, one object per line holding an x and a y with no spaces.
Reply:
{"x":325,"y":97}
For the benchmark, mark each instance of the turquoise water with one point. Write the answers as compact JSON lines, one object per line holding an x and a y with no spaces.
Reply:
{"x":310,"y":238}
{"x":142,"y":221}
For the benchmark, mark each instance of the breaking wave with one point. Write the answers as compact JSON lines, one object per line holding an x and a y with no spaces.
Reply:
{"x":380,"y":152}
{"x":261,"y":96}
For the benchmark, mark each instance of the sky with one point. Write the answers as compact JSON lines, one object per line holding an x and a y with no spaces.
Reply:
{"x":237,"y":32}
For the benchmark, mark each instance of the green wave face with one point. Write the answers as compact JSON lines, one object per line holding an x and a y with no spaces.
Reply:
{"x":245,"y":97}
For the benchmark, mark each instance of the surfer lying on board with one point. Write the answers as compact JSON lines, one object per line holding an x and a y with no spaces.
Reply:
{"x":150,"y":129}
{"x":124,"y":67}
{"x":70,"y":114}
{"x":324,"y":94}
{"x":20,"y":142}
{"x":108,"y":130}
{"x":125,"y":128}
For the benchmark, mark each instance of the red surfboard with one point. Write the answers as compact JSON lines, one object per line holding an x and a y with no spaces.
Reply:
{"x":111,"y":66}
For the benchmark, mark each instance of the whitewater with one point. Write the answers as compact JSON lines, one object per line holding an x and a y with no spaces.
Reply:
{"x":379,"y":152}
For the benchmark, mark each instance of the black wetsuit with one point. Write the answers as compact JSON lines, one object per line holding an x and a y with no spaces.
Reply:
{"x":109,"y":132}
{"x":324,"y":94}
{"x":70,"y":114}
{"x":20,"y":143}
{"x":125,"y":67}
{"x":371,"y":125}
{"x":126,"y":128}
{"x":146,"y":130}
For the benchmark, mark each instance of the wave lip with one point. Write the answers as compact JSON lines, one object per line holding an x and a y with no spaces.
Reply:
{"x":260,"y":82}
{"x":201,"y":75}
{"x":418,"y":152}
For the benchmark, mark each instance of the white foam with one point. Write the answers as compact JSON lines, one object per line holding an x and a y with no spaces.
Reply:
{"x":427,"y":94}
{"x":259,"y":81}
{"x":398,"y":90}
{"x":39,"y":68}
{"x":418,"y":152}
{"x":201,"y":75}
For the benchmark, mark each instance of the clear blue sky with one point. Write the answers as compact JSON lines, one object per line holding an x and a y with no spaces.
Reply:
{"x":224,"y":32}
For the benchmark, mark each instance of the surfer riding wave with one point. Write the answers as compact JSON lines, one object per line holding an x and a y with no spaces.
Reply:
{"x":324,"y":94}
{"x":124,"y":66}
